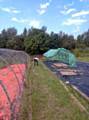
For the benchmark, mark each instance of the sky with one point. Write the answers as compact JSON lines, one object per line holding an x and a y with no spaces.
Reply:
{"x":69,"y":16}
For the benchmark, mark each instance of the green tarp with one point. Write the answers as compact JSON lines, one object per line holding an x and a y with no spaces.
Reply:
{"x":62,"y":55}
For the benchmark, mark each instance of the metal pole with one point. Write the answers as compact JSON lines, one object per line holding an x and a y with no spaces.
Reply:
{"x":5,"y":90}
{"x":13,"y":72}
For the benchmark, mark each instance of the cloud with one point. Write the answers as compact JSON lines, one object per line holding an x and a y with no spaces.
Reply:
{"x":10,"y":10}
{"x":67,"y":9}
{"x":72,"y":21}
{"x":20,"y":20}
{"x":81,"y":13}
{"x":43,"y":7}
{"x":41,"y":12}
{"x":68,"y":5}
{"x":66,"y":12}
{"x":34,"y":23}
{"x":70,"y":10}
{"x":14,"y":19}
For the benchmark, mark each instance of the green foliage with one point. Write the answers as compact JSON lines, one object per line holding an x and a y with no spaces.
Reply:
{"x":38,"y":41}
{"x":83,"y":39}
{"x":80,"y":52}
{"x":77,"y":52}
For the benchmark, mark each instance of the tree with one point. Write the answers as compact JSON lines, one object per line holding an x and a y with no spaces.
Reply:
{"x":44,"y":28}
{"x":3,"y":38}
{"x":83,"y":39}
{"x":37,"y":42}
{"x":24,"y":34}
{"x":11,"y":32}
{"x":11,"y":36}
{"x":54,"y":43}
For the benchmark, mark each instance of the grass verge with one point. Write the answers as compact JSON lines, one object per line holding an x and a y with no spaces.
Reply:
{"x":83,"y":59}
{"x":44,"y":98}
{"x":26,"y":105}
{"x":83,"y":100}
{"x":50,"y":101}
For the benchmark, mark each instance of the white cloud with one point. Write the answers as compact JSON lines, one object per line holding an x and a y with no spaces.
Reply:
{"x":16,"y":11}
{"x":65,"y":7}
{"x":5,"y":9}
{"x":66,"y":12}
{"x":81,"y":13}
{"x":14,"y":19}
{"x":72,"y":21}
{"x":43,"y":7}
{"x":41,"y":12}
{"x":10,"y":10}
{"x":20,"y":20}
{"x":68,"y":5}
{"x":71,"y":10}
{"x":35,"y":23}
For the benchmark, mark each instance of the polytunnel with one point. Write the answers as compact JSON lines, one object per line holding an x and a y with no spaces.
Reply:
{"x":13,"y":71}
{"x":62,"y":55}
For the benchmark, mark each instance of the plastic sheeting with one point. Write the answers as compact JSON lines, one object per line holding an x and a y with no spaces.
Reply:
{"x":62,"y":55}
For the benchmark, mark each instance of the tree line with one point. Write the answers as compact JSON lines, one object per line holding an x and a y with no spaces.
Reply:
{"x":38,"y":41}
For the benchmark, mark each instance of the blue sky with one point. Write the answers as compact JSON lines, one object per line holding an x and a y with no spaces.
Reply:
{"x":70,"y":16}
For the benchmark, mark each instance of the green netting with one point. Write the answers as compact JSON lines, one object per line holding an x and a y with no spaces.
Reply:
{"x":62,"y":55}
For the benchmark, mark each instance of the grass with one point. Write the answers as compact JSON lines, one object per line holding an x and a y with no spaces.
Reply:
{"x":83,"y":101}
{"x":84,"y":58}
{"x":45,"y":98}
{"x":26,"y":105}
{"x":50,"y":101}
{"x":82,"y":54}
